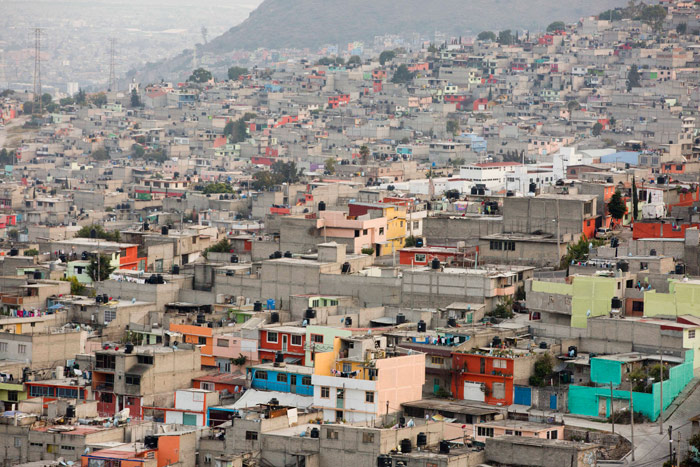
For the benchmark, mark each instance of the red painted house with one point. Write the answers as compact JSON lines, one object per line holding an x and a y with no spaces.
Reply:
{"x":460,"y":101}
{"x":488,"y":377}
{"x":660,"y":230}
{"x":231,"y":382}
{"x":422,"y":256}
{"x":340,"y":99}
{"x":289,"y":340}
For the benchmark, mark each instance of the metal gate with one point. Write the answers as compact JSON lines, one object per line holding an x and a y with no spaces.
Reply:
{"x":522,"y":395}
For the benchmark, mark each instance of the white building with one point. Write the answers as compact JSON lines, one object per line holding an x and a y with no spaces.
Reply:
{"x":191,"y":407}
{"x":493,"y":175}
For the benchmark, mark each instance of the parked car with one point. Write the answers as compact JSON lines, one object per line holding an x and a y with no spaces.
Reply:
{"x":519,"y":307}
{"x":603,"y":232}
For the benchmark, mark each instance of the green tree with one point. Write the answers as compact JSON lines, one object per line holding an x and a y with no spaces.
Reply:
{"x":262,"y":181}
{"x":329,"y":165}
{"x":544,"y":365}
{"x":46,"y":99}
{"x":217,"y":188}
{"x":99,"y":271}
{"x":556,"y":26}
{"x":611,"y":15}
{"x":156,"y":155}
{"x":200,"y":75}
{"x":487,"y":36}
{"x":100,"y":154}
{"x":137,"y":151}
{"x":100,"y":232}
{"x":222,"y":246}
{"x":286,"y":172}
{"x":654,"y":16}
{"x":364,"y":154}
{"x":597,"y":129}
{"x":325,"y":61}
{"x":682,"y":28}
{"x":13,"y":234}
{"x":432,"y":49}
{"x":235,"y":72}
{"x":237,"y":131}
{"x":453,"y":127}
{"x":633,"y":78}
{"x":99,"y":99}
{"x":410,"y":241}
{"x":135,"y":98}
{"x":505,"y":37}
{"x":66,"y":101}
{"x":76,"y":288}
{"x":573,"y":105}
{"x":31,"y":252}
{"x":616,"y":207}
{"x":28,"y":107}
{"x":386,"y":56}
{"x":80,"y":98}
{"x":354,"y":61}
{"x":402,"y":75}
{"x":635,"y":199}
{"x":7,"y":157}
{"x":6,"y":93}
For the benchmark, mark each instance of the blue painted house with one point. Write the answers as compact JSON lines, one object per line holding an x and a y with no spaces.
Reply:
{"x":295,"y":379}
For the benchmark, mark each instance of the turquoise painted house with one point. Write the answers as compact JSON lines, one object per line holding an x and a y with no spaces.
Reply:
{"x":295,"y":379}
{"x":595,"y":401}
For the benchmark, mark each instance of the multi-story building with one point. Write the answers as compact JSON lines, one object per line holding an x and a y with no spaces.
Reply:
{"x":362,"y":379}
{"x":395,"y":222}
{"x":134,"y":377}
{"x":286,"y":339}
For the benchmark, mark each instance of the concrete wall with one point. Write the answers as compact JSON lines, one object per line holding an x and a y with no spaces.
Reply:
{"x":514,"y":450}
{"x":450,"y":230}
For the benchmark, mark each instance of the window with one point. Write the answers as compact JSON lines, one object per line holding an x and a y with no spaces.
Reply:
{"x":18,"y":442}
{"x":145,"y":359}
{"x":691,"y":333}
{"x":3,"y":346}
{"x":369,"y":397}
{"x":357,"y":233}
{"x":381,"y":230}
{"x":364,"y":231}
{"x":67,"y":393}
{"x":110,"y":315}
{"x":67,"y":448}
{"x":281,"y":377}
{"x":499,"y":363}
{"x":554,"y":434}
{"x":104,"y":361}
{"x":484,"y":431}
{"x":437,"y":360}
{"x":12,"y":396}
{"x":272,"y":337}
{"x":306,"y":380}
{"x":133,"y":379}
{"x":251,"y":435}
{"x":367,"y":437}
{"x":39,"y":391}
{"x":416,"y":224}
{"x":22,"y":348}
{"x":222,"y":342}
{"x":332,"y":434}
{"x":325,"y":392}
{"x":106,"y":397}
{"x":261,"y":374}
{"x":40,"y":445}
{"x":317,"y":338}
{"x":207,"y":386}
{"x":132,"y":401}
{"x":420,"y":258}
{"x":201,"y":340}
{"x":340,"y":393}
{"x":518,"y":433}
{"x":498,"y":390}
{"x":296,"y":340}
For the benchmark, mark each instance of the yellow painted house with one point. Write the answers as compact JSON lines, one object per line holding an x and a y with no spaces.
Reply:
{"x":683,"y":298}
{"x":395,"y":222}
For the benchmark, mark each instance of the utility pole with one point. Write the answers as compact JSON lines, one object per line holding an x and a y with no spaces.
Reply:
{"x":38,"y":104}
{"x":612,"y":409}
{"x":661,"y":399}
{"x":632,"y":419}
{"x":670,"y":444}
{"x":678,"y":450}
{"x":112,"y":75}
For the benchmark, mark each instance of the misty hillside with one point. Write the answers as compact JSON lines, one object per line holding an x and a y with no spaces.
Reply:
{"x":309,"y":23}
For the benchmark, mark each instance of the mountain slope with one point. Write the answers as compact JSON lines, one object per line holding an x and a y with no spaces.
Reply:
{"x":310,"y":23}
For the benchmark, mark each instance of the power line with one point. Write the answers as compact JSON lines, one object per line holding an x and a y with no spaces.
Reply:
{"x":112,"y":74}
{"x":37,"y":102}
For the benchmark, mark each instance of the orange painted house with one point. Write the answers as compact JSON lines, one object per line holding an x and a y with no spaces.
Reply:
{"x":166,"y":451}
{"x":486,"y":378}
{"x":129,"y":258}
{"x":198,"y":335}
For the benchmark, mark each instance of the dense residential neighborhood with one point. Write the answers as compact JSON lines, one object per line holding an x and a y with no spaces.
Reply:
{"x":474,"y":251}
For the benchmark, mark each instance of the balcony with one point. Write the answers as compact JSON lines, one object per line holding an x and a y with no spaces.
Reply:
{"x":132,"y":389}
{"x":105,"y":387}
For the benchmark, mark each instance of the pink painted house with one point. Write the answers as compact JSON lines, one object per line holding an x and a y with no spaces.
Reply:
{"x":354,"y":232}
{"x":497,"y":428}
{"x":227,"y":347}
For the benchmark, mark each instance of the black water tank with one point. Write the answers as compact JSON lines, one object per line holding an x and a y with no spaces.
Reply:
{"x":421,"y":326}
{"x":14,"y":252}
{"x":310,"y":313}
{"x":279,"y":357}
{"x":444,"y":447}
{"x":623,"y":266}
{"x":257,"y":306}
{"x":532,"y":188}
{"x":277,"y":254}
{"x":234,"y":259}
{"x":384,"y":460}
{"x":652,"y":252}
{"x":322,"y":206}
{"x":201,"y":318}
{"x":93,"y":233}
{"x":37,"y":275}
{"x":129,"y":348}
{"x":348,"y":321}
{"x":435,"y":263}
{"x":274,"y":317}
{"x":474,"y":190}
{"x":345,"y":268}
{"x":164,"y":230}
{"x":400,"y":318}
{"x":176,"y":269}
{"x":422,"y":439}
{"x":661,"y":180}
{"x":496,"y":342}
{"x":151,"y":442}
{"x":98,"y":299}
{"x":680,"y":269}
{"x":451,"y":322}
{"x":419,"y":242}
{"x":543,"y":345}
{"x":274,"y":401}
{"x":287,"y":254}
{"x":616,"y":303}
{"x":405,"y":445}
{"x":315,"y":433}
{"x":70,"y":411}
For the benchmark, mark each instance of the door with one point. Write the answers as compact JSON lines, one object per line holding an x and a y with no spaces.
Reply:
{"x":473,"y":392}
{"x":293,"y":384}
{"x":522,"y":395}
{"x":553,"y":402}
{"x":285,"y":342}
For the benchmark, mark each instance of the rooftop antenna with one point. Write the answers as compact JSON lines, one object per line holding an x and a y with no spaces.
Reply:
{"x":38,"y":104}
{"x":112,"y":74}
